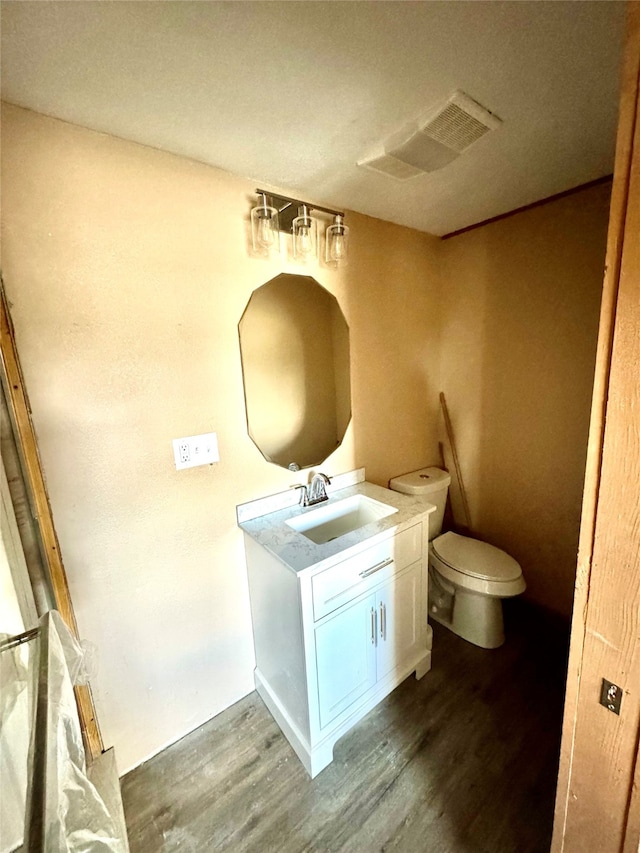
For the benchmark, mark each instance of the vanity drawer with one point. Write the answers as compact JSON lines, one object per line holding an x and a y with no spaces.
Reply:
{"x":339,"y":584}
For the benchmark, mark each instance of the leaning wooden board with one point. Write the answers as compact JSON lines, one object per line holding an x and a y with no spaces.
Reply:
{"x":18,"y":403}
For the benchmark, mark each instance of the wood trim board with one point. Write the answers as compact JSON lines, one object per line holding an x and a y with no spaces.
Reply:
{"x":18,"y":403}
{"x":583,"y":801}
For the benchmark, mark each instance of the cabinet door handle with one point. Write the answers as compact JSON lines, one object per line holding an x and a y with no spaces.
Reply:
{"x":374,"y":626}
{"x":376,"y":568}
{"x":383,"y":621}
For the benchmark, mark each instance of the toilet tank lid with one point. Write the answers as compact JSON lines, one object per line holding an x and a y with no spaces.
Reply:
{"x":475,"y":558}
{"x":421,"y":482}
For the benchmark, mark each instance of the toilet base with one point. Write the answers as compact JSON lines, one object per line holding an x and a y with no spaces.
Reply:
{"x":476,"y":618}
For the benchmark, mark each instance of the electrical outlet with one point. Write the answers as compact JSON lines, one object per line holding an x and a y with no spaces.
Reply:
{"x":611,"y":696}
{"x":195,"y":450}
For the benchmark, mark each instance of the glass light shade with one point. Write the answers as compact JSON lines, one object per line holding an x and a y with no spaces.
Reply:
{"x":337,"y":242}
{"x":305,"y":236}
{"x":265,"y":234}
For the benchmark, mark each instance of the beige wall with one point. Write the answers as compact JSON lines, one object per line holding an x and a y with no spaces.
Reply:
{"x":128,"y":270}
{"x":395,"y":341}
{"x":520,"y":315}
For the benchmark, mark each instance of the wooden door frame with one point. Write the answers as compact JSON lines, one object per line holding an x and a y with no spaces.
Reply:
{"x":576,"y":708}
{"x":20,"y":410}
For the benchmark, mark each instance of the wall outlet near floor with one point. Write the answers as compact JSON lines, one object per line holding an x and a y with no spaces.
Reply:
{"x":195,"y":450}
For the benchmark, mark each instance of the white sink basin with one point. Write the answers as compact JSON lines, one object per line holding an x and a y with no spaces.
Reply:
{"x":336,"y":519}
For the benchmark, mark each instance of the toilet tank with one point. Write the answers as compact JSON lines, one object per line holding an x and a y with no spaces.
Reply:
{"x":429,"y":484}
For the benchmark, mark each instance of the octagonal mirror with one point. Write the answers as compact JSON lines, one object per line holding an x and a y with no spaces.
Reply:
{"x":294,"y":344}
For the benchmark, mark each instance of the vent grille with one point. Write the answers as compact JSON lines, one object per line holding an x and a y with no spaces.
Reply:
{"x":455,"y":128}
{"x":438,"y":139}
{"x":391,"y":166}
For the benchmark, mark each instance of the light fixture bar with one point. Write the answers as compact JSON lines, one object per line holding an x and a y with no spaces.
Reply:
{"x":288,"y":208}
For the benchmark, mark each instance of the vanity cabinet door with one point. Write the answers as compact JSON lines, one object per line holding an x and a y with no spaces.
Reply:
{"x":401,"y":619}
{"x":346,"y":657}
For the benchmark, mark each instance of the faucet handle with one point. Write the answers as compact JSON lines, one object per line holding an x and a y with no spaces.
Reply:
{"x":304,"y":494}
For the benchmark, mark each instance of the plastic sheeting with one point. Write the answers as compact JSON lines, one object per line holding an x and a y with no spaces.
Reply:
{"x":17,"y":686}
{"x":65,"y":813}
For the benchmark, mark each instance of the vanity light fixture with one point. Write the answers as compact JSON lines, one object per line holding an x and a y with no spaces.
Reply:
{"x":264,"y":227}
{"x":290,"y":215}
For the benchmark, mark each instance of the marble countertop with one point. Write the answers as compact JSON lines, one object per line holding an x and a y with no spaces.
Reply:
{"x":299,"y":553}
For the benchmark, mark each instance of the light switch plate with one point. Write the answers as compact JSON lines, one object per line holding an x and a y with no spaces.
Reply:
{"x":611,"y":696}
{"x":195,"y":450}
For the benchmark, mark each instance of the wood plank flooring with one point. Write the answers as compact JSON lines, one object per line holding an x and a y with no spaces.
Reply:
{"x":463,"y":761}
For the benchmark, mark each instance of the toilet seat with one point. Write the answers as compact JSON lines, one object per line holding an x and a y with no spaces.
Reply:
{"x":479,"y":567}
{"x":475,"y":559}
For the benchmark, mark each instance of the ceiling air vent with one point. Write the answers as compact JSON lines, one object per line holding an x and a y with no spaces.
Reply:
{"x":390,"y":166}
{"x":436,"y":140}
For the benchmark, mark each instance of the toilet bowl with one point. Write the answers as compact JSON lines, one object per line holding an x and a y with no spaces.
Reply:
{"x":475,"y":577}
{"x":467,"y":578}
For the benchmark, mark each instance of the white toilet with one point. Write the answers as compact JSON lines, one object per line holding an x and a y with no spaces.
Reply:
{"x":467,"y":578}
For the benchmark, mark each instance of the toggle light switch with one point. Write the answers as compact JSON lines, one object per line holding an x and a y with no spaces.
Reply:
{"x":610,"y":696}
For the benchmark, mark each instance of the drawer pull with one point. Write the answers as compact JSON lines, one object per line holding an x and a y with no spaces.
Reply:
{"x":376,"y":568}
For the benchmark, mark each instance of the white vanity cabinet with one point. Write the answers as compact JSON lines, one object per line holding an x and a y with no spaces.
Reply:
{"x":364,"y":642}
{"x":334,"y":639}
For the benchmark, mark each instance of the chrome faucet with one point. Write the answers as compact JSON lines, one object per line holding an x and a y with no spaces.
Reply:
{"x":317,"y":489}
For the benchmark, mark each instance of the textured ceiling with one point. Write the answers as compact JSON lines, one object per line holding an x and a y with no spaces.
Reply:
{"x":293,"y":94}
